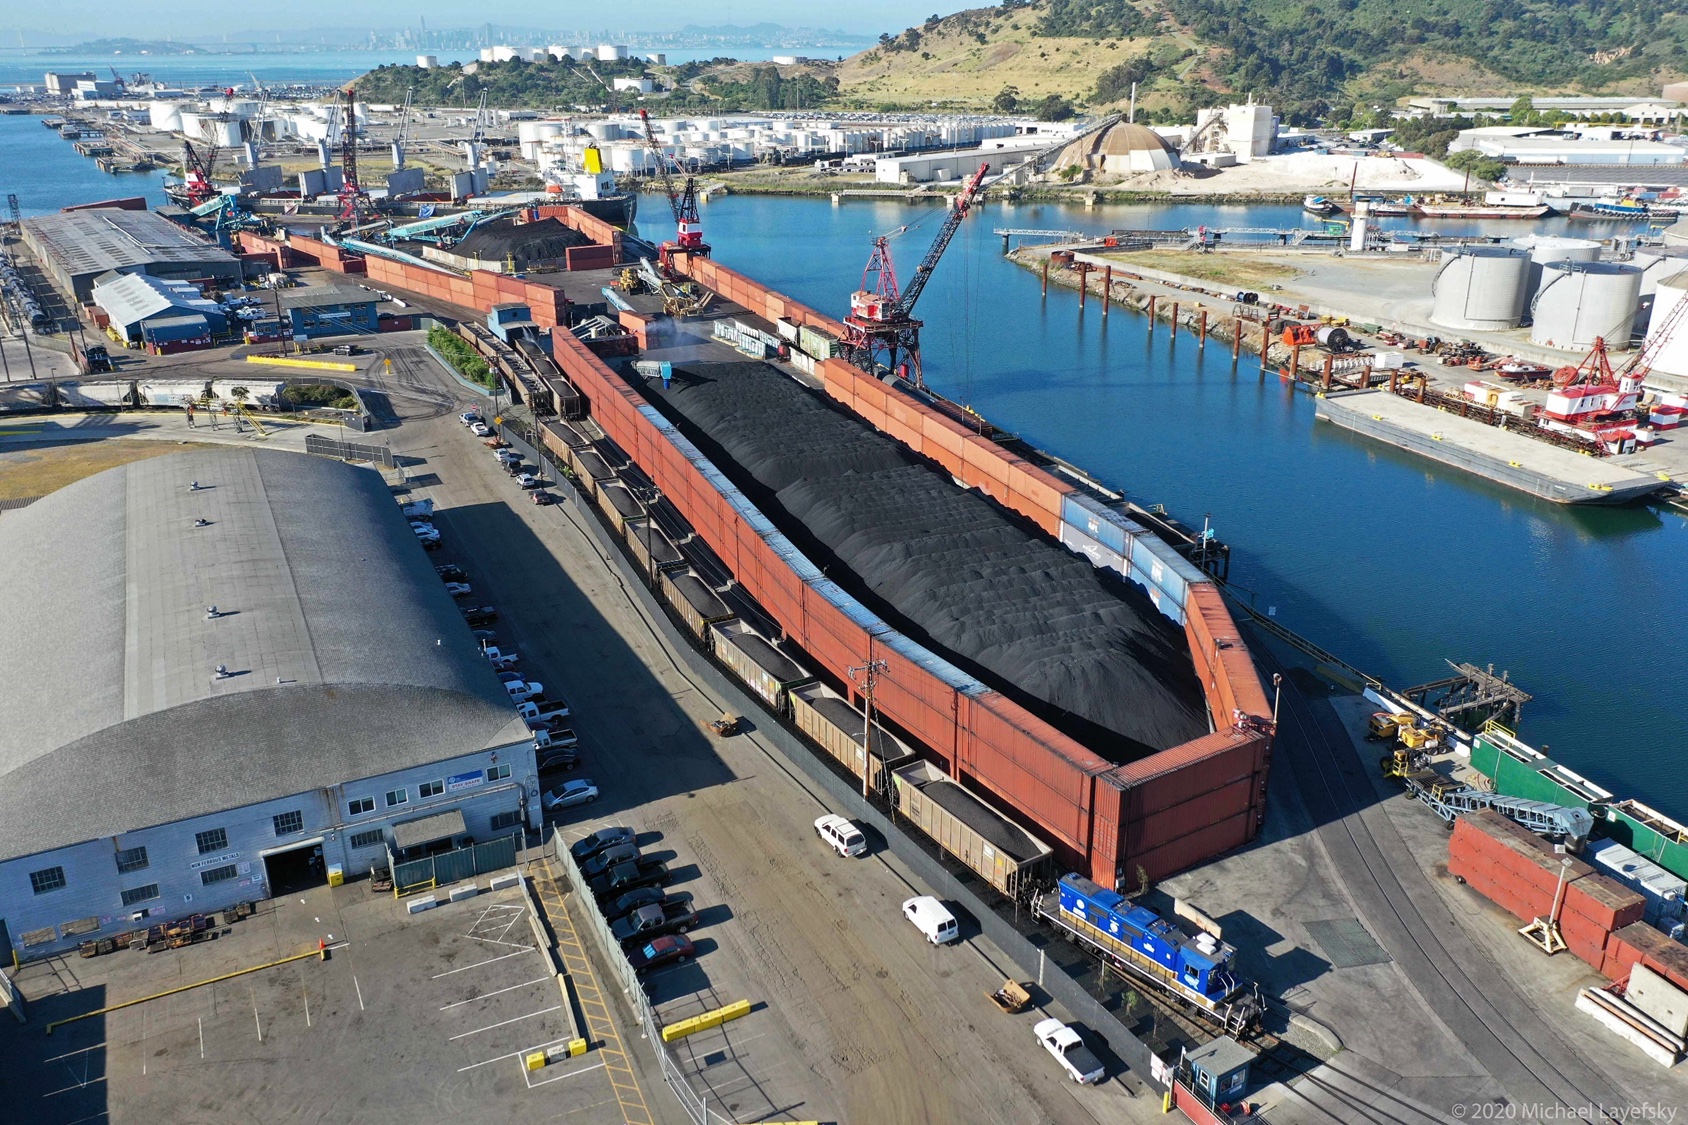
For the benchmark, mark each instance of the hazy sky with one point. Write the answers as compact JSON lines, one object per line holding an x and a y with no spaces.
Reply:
{"x":147,"y":18}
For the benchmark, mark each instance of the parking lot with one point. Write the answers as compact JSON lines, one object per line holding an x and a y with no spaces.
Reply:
{"x":412,"y":1018}
{"x":854,"y":1016}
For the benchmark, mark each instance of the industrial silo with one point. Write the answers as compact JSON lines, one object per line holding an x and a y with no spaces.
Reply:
{"x":1481,"y":289}
{"x":1579,"y":301}
{"x":165,"y":115}
{"x":1658,"y":264}
{"x":1669,"y":353}
{"x":1545,"y":249}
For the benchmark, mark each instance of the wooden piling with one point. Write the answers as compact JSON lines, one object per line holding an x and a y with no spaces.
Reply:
{"x":1201,"y":333}
{"x":1107,"y":288}
{"x":1295,"y":362}
{"x":1393,"y":380}
{"x":1175,"y":320}
{"x":1151,"y":314}
{"x":1083,"y":282}
{"x":1324,"y":378}
{"x":1046,"y":276}
{"x":1265,"y":340}
{"x":1365,"y":377}
{"x":1236,"y":337}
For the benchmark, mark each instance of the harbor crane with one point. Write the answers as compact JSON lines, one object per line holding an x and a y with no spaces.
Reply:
{"x":688,"y":227}
{"x":196,"y":185}
{"x":881,"y":318}
{"x":352,"y":196}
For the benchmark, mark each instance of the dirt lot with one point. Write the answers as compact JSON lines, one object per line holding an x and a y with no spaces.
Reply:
{"x":1225,"y":269}
{"x":34,"y":472}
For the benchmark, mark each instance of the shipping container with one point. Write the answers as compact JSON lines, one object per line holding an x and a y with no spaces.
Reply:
{"x":817,"y":342}
{"x":787,"y":329}
{"x":698,"y":605}
{"x":763,"y":668}
{"x":619,"y":505}
{"x":1663,"y":891}
{"x":839,"y":729}
{"x":653,"y":550}
{"x":1006,"y":855}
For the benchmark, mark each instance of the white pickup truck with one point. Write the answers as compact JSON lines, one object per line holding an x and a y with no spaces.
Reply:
{"x":543,"y":715}
{"x":564,"y":739}
{"x":521,"y":691}
{"x":418,"y":509}
{"x":1063,"y":1042}
{"x":501,"y":660}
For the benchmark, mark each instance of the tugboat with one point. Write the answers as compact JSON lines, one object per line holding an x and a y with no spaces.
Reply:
{"x":1318,"y":205}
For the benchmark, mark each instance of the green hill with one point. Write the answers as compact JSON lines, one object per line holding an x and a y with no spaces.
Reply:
{"x":1304,"y":56}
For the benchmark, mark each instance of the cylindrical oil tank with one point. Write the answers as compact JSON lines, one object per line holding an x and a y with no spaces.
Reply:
{"x":1580,"y":301}
{"x":1481,"y":289}
{"x":1677,"y":233}
{"x":1658,"y":264}
{"x":165,"y":115}
{"x":1668,"y":346}
{"x":1546,"y":248}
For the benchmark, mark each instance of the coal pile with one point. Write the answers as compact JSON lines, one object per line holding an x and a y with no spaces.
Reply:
{"x":1082,"y":649}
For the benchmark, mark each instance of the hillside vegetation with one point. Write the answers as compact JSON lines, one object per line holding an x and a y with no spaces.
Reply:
{"x":1306,"y":56}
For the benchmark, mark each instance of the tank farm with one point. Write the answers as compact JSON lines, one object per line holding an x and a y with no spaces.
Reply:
{"x":1024,"y":639}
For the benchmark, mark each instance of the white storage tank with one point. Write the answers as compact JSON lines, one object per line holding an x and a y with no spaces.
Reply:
{"x":1546,"y":248}
{"x":1481,"y":289}
{"x":165,"y":115}
{"x":1579,"y":301}
{"x":1658,"y":264}
{"x":1671,"y":355}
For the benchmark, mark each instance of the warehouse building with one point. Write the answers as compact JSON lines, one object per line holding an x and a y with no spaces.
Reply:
{"x":78,"y":246}
{"x":330,"y":310}
{"x":229,"y":711}
{"x":142,"y":307}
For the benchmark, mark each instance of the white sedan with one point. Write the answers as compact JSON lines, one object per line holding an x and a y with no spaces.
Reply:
{"x":480,"y":429}
{"x":529,"y":481}
{"x":581,"y":791}
{"x":506,"y":457}
{"x":469,"y":418}
{"x":458,"y":589}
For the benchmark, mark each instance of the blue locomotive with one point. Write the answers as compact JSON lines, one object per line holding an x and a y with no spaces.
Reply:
{"x":1197,"y":969}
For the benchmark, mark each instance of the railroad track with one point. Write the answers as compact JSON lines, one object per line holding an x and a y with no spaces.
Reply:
{"x":1518,"y":1049}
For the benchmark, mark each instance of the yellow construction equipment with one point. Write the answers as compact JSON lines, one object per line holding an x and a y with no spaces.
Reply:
{"x":1384,"y":725}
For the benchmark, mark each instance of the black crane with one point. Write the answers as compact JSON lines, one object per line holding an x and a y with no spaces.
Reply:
{"x":881,"y":319}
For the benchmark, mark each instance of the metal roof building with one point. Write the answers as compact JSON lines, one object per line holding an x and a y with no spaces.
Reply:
{"x":157,"y":758}
{"x":133,"y":299}
{"x":78,"y":246}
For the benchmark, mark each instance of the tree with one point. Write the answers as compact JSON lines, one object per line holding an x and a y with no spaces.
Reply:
{"x":1054,"y":108}
{"x":1479,"y":166}
{"x":1007,"y":100}
{"x":1523,"y":111}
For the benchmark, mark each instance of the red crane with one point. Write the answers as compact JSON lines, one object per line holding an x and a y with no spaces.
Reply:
{"x":196,"y":175}
{"x":881,"y":318}
{"x":688,"y":227}
{"x":352,"y":196}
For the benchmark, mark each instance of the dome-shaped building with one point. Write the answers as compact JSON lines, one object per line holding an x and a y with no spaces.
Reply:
{"x":1122,"y":149}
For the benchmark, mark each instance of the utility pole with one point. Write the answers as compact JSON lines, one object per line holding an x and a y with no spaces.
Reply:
{"x":873,"y":669}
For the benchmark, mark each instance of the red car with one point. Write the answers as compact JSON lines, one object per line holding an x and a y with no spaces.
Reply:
{"x":671,"y":950}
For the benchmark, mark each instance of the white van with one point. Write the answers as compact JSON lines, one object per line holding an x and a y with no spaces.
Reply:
{"x":931,"y":919}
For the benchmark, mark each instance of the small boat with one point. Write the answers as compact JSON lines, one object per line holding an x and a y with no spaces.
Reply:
{"x":1318,"y":205}
{"x":1382,"y":207}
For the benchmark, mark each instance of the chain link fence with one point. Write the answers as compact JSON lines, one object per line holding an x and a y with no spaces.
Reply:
{"x":695,"y":1104}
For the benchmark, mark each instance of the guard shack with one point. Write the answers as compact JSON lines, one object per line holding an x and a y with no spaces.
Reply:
{"x":1219,"y":1070}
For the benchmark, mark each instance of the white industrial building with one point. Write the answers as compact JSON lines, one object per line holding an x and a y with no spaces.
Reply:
{"x":1523,"y":145}
{"x":956,"y":164}
{"x":1657,"y":110}
{"x":229,"y":673}
{"x":1245,"y":131}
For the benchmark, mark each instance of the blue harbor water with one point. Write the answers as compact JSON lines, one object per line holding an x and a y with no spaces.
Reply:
{"x":1388,"y":560}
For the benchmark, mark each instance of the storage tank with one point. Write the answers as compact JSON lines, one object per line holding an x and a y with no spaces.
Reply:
{"x":1546,"y":248}
{"x":1579,"y":301}
{"x":165,"y":115}
{"x":1671,"y":354}
{"x":1658,"y":264}
{"x":427,"y":62}
{"x":1481,"y":289}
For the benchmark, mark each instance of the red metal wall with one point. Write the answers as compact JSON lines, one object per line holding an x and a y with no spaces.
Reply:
{"x":1519,"y":872}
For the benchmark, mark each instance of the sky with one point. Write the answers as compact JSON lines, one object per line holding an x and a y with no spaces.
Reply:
{"x":156,"y":18}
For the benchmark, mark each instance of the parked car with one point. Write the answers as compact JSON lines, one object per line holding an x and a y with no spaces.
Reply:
{"x":507,"y":676}
{"x":499,"y":658}
{"x":548,"y":714}
{"x":458,"y":589}
{"x":931,"y":918}
{"x":507,"y":457}
{"x":470,"y":417}
{"x":529,"y":481}
{"x":542,"y":497}
{"x":581,"y":791}
{"x":841,"y":836}
{"x":558,"y":760}
{"x":523,"y":690}
{"x":431,"y":543}
{"x":644,"y":896}
{"x":1069,"y":1050}
{"x":418,"y":509}
{"x":561,"y":739}
{"x":480,"y":429}
{"x":625,"y":852}
{"x":588,"y":846}
{"x":663,"y":951}
{"x":485,"y":611}
{"x":648,"y":922}
{"x":484,"y":635}
{"x":624,"y":877}
{"x":424,"y":530}
{"x":478,"y":618}
{"x":451,"y":573}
